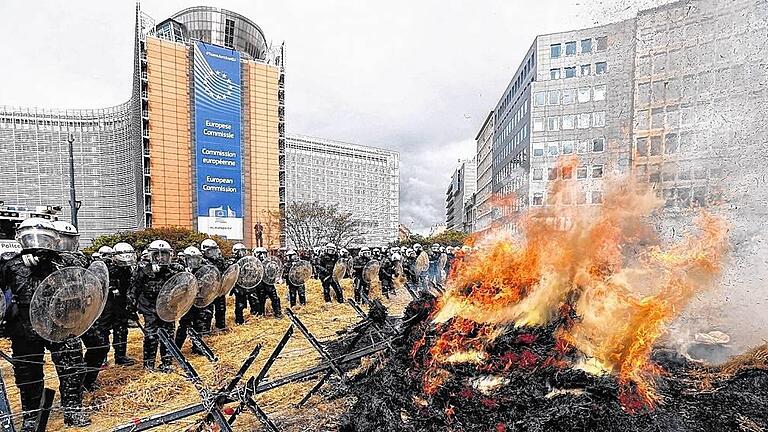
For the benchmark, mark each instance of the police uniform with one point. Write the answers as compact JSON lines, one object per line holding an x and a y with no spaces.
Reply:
{"x":146,"y":286}
{"x":28,"y":348}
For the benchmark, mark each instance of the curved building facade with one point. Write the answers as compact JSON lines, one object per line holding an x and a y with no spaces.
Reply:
{"x":223,"y":28}
{"x":199,"y":144}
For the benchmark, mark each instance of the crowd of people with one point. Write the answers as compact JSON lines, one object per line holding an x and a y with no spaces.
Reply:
{"x":136,"y":282}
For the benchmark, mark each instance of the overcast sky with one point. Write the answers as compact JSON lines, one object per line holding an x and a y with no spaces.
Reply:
{"x":418,"y":77}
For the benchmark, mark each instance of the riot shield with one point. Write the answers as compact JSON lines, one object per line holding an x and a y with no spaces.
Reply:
{"x":228,"y":279}
{"x":339,"y":270}
{"x":443,"y":260}
{"x":99,"y":268}
{"x":299,"y":273}
{"x":371,"y":271}
{"x":67,"y":303}
{"x":208,"y":283}
{"x":422,"y":263}
{"x":272,"y":269}
{"x":251,"y":272}
{"x":176,"y":296}
{"x":3,"y":305}
{"x":398,"y":267}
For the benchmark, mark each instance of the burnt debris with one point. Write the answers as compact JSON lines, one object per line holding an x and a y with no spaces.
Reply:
{"x":526,"y":382}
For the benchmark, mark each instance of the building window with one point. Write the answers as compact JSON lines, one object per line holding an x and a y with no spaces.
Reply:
{"x":538,"y":124}
{"x":670,"y":144}
{"x":586,"y":70}
{"x":553,"y":150}
{"x":598,"y":119}
{"x":539,"y":98}
{"x":538,"y":151}
{"x":581,"y":172}
{"x":582,"y":147}
{"x":552,"y":174}
{"x":599,"y":93}
{"x":641,"y":147}
{"x":569,"y":96}
{"x":601,"y":68}
{"x":567,"y":147}
{"x":584,"y":94}
{"x":569,"y":122}
{"x":538,"y":174}
{"x":553,"y":97}
{"x":555,"y":51}
{"x":538,"y":199}
{"x":602,"y":43}
{"x":583,"y":121}
{"x":570,"y":48}
{"x":586,"y":46}
{"x":597,"y":171}
{"x":570,"y":72}
{"x":598,"y":145}
{"x":553,"y":124}
{"x":597,"y":197}
{"x":554,"y":74}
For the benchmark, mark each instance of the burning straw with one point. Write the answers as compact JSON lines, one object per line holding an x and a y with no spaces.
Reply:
{"x":555,"y":329}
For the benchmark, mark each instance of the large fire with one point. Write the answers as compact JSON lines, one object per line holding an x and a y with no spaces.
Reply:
{"x":601,"y":265}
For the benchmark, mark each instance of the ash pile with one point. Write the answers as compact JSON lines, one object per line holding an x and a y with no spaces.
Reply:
{"x":524,"y":382}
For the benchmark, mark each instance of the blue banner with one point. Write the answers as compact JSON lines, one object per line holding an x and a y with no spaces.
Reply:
{"x":217,"y":139}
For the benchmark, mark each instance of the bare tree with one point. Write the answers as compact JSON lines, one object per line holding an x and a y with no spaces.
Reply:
{"x":310,"y":224}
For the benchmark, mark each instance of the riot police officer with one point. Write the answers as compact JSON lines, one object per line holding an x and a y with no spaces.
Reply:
{"x":409,"y":268}
{"x":41,"y":255}
{"x":212,"y":254}
{"x":295,"y":292}
{"x":423,"y":276}
{"x":386,"y":274}
{"x":120,"y":274}
{"x":325,"y":274}
{"x":149,"y":279}
{"x":434,"y":263}
{"x":196,"y":318}
{"x":362,"y":288}
{"x":449,"y":252}
{"x":242,"y":296}
{"x":266,"y":289}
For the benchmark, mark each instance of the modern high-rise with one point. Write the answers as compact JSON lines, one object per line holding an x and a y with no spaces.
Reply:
{"x":361,"y":180}
{"x":199,"y":144}
{"x":483,"y":208}
{"x":663,"y":94}
{"x":460,"y":192}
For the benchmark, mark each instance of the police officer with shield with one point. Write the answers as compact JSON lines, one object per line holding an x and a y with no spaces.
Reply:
{"x":120,"y":275}
{"x":212,"y":254}
{"x":325,"y":274}
{"x":242,"y":296}
{"x":149,"y":279}
{"x":197,"y":318}
{"x":41,"y":256}
{"x":362,"y":288}
{"x":296,"y":290}
{"x":266,"y":289}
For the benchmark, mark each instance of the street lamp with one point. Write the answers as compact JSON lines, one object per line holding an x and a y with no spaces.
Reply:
{"x":74,"y":204}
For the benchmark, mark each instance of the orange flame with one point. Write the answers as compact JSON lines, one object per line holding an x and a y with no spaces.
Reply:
{"x":604,"y":261}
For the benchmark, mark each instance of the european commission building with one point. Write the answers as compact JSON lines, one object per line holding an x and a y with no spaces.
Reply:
{"x":200,"y":144}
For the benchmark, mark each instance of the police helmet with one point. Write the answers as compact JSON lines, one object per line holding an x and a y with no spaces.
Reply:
{"x":69,"y":238}
{"x":37,"y":233}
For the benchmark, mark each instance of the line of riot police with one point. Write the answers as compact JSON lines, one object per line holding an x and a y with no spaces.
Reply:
{"x":58,"y":299}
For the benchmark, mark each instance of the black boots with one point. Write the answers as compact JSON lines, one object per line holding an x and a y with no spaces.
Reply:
{"x":76,"y":417}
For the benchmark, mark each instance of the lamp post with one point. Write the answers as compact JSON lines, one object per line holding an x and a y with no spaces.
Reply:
{"x":74,"y":204}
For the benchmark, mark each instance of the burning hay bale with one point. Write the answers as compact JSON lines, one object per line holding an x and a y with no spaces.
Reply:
{"x":557,"y":330}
